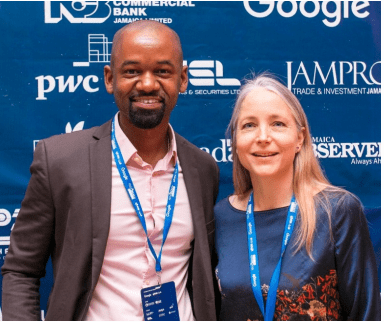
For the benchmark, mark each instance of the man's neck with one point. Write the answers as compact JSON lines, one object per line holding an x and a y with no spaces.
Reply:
{"x":151,"y":144}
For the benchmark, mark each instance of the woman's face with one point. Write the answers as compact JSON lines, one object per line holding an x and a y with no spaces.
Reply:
{"x":267,"y":135}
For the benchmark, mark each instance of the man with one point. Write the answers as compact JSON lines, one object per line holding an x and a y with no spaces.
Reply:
{"x":78,"y":210}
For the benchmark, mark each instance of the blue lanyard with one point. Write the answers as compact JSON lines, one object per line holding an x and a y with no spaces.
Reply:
{"x":131,"y":191}
{"x":269,"y":309}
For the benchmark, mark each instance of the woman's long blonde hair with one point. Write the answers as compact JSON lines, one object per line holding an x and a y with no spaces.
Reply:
{"x":308,"y":176}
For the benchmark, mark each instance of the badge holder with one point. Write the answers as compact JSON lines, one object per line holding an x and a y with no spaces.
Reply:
{"x":160,"y":302}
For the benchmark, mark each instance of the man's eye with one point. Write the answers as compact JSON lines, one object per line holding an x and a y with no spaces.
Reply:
{"x":131,"y":72}
{"x":163,"y":71}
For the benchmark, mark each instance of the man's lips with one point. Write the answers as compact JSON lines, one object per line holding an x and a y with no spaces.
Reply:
{"x":147,"y":102}
{"x":264,"y":154}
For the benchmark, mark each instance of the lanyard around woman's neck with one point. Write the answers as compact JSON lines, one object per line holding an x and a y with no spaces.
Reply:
{"x":254,"y":270}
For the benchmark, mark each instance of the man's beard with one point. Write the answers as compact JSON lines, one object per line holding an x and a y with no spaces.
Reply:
{"x":146,"y":119}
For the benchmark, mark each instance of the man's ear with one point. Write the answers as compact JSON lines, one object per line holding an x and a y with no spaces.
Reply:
{"x":184,"y":79}
{"x":108,"y":79}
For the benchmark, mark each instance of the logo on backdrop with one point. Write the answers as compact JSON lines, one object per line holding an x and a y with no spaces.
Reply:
{"x":343,"y":77}
{"x":78,"y":127}
{"x":77,"y":11}
{"x":221,"y":153}
{"x":202,"y":73}
{"x":7,"y":220}
{"x":100,"y":11}
{"x":333,"y":11}
{"x":47,"y":84}
{"x":359,"y":153}
{"x":207,"y":74}
{"x":68,"y":129}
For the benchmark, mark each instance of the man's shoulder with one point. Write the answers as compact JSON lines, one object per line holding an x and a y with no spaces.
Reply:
{"x":77,"y":138}
{"x":71,"y":147}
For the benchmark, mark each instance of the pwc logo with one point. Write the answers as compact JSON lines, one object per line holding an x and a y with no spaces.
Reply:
{"x":77,"y":11}
{"x":48,"y":83}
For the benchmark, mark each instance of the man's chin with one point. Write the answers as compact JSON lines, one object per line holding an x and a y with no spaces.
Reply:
{"x":146,"y":124}
{"x":148,"y":119}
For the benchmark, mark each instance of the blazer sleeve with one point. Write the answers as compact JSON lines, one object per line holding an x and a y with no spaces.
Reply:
{"x":30,"y":246}
{"x":355,"y":263}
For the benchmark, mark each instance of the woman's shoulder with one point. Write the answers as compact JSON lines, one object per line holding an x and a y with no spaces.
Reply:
{"x":345,"y":208}
{"x":222,"y":203}
{"x":338,"y":199}
{"x":227,"y":206}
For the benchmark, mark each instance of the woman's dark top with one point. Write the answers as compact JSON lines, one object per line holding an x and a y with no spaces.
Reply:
{"x":340,"y":284}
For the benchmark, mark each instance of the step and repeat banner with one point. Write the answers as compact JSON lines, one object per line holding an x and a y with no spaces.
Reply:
{"x":328,"y":53}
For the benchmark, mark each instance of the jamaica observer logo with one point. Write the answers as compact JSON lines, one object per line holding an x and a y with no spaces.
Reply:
{"x":326,"y":147}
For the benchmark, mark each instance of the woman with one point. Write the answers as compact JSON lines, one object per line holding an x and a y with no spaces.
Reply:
{"x":310,"y":256}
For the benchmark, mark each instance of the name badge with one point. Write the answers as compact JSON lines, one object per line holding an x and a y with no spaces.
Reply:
{"x":160,"y":303}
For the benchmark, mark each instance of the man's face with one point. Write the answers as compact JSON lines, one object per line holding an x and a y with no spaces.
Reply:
{"x":146,"y":77}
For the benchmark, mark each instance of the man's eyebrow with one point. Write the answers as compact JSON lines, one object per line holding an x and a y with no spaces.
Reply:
{"x":135,"y":62}
{"x":166,"y":62}
{"x":129,"y":62}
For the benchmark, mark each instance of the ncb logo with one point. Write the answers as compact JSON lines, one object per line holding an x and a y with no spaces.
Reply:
{"x":77,"y":11}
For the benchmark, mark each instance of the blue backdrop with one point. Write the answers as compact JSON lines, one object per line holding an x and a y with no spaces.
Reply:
{"x":52,"y":55}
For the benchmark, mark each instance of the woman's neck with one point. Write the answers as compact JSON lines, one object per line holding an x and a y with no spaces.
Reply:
{"x":271,"y":193}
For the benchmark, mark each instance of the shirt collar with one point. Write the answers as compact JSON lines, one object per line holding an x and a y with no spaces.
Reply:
{"x":129,"y":151}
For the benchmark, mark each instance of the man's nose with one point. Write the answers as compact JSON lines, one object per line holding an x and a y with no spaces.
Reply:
{"x":148,"y":83}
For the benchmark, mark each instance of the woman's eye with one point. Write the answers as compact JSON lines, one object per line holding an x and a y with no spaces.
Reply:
{"x":278,"y":124}
{"x":248,"y":125}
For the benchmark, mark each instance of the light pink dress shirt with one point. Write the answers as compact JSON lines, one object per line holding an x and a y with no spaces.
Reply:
{"x":128,"y":264}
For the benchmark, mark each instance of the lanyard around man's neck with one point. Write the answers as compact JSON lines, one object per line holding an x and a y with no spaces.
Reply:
{"x":131,"y":192}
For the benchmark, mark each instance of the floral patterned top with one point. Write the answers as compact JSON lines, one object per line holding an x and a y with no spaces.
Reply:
{"x":340,"y":284}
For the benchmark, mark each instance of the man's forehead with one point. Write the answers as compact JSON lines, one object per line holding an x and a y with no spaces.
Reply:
{"x":149,"y":36}
{"x":146,"y":35}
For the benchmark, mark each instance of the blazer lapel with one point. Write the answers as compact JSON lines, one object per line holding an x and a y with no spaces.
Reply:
{"x":101,"y":177}
{"x":189,"y":166}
